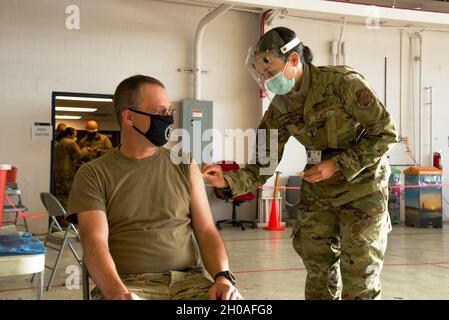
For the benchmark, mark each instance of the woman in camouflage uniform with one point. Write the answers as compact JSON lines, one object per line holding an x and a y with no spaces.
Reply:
{"x":343,"y":222}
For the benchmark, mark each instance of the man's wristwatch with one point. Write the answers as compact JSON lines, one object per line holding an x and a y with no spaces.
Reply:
{"x":227,"y":274}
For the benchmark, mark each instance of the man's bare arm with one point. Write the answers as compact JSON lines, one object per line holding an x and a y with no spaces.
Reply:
{"x":94,"y":232}
{"x":213,"y":250}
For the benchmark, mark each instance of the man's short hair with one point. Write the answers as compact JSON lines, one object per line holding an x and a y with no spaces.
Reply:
{"x":127,"y":93}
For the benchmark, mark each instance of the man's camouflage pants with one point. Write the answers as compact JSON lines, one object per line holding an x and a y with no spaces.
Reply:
{"x":172,"y":285}
{"x":343,"y":247}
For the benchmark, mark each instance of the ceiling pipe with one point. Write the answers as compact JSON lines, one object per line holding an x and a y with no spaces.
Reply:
{"x":222,"y":9}
{"x":394,"y":6}
{"x":270,"y":15}
{"x":329,"y":21}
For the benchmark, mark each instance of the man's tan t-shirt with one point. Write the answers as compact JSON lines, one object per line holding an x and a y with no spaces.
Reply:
{"x":147,"y":204}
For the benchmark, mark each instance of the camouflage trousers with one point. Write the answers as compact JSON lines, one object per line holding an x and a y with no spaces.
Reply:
{"x":172,"y":285}
{"x":343,"y":247}
{"x":62,"y":190}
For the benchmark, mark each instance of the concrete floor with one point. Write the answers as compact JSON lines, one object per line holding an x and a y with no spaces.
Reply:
{"x":267,"y":267}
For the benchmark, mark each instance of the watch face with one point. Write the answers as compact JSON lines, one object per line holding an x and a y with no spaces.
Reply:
{"x":227,"y":274}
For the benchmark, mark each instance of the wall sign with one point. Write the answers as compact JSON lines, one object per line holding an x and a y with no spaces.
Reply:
{"x":42,"y":131}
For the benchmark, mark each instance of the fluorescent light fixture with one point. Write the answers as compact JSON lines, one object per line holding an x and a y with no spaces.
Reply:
{"x":66,"y":117}
{"x":83,"y":99}
{"x":76,"y":109}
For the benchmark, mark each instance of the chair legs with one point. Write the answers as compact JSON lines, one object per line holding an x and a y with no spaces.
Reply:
{"x":86,"y":293}
{"x":25,"y":224}
{"x":58,"y":260}
{"x":55,"y":267}
{"x":80,"y":262}
{"x":234,"y":221}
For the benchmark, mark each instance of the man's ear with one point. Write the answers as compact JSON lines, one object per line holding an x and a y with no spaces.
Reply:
{"x":127,"y":117}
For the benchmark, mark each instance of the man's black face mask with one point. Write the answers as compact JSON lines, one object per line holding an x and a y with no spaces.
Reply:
{"x":91,"y":134}
{"x":160,"y":128}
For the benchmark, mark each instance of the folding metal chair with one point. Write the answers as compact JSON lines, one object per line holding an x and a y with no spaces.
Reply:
{"x":15,"y":195}
{"x":85,"y":275}
{"x":56,"y":235}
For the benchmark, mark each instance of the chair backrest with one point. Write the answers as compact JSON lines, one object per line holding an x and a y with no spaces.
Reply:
{"x":54,"y":208}
{"x":228,"y":165}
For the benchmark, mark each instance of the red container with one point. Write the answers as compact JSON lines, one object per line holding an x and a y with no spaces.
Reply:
{"x":11,"y":176}
{"x":4,"y":168}
{"x":437,"y":162}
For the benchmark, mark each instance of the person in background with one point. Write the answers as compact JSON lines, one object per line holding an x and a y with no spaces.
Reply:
{"x":99,"y":143}
{"x":60,"y":131}
{"x":67,"y":153}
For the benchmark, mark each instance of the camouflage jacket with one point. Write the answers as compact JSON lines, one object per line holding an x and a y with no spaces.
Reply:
{"x":100,"y":143}
{"x":339,"y":115}
{"x":67,"y":153}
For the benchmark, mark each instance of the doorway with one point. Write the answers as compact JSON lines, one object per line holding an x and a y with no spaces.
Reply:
{"x":77,"y":111}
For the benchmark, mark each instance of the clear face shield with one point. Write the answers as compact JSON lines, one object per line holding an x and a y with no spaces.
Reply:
{"x":268,"y":62}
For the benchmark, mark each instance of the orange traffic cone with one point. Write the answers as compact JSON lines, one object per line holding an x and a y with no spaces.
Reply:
{"x":274,"y":223}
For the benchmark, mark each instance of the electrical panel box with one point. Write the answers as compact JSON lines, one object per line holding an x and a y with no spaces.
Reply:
{"x":196,"y":120}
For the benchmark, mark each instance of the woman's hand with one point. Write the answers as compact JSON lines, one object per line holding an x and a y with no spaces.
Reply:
{"x":321,"y":171}
{"x":214,"y":175}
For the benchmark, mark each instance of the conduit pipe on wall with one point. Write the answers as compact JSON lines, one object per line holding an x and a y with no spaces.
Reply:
{"x":420,"y":96}
{"x":334,"y":52}
{"x":222,"y":9}
{"x":344,"y":52}
{"x":412,"y":91}
{"x":413,"y":59}
{"x":429,"y":104}
{"x":400,"y":83}
{"x":419,"y":58}
{"x":339,"y":59}
{"x":262,"y":32}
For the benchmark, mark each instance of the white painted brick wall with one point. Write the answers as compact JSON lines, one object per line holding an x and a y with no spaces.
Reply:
{"x":120,"y":38}
{"x":117,"y":39}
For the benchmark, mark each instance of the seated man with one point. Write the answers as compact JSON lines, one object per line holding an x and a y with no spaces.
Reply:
{"x":138,"y":212}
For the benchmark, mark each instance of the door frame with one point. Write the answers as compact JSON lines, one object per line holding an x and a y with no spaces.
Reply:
{"x":54,"y":94}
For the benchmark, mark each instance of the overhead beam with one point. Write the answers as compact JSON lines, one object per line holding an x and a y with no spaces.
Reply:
{"x":347,"y":10}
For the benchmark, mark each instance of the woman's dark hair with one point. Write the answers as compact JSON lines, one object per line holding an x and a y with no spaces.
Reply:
{"x":69,"y":132}
{"x":267,"y":42}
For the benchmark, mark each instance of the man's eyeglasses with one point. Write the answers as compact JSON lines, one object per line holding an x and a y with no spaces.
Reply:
{"x":160,"y":111}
